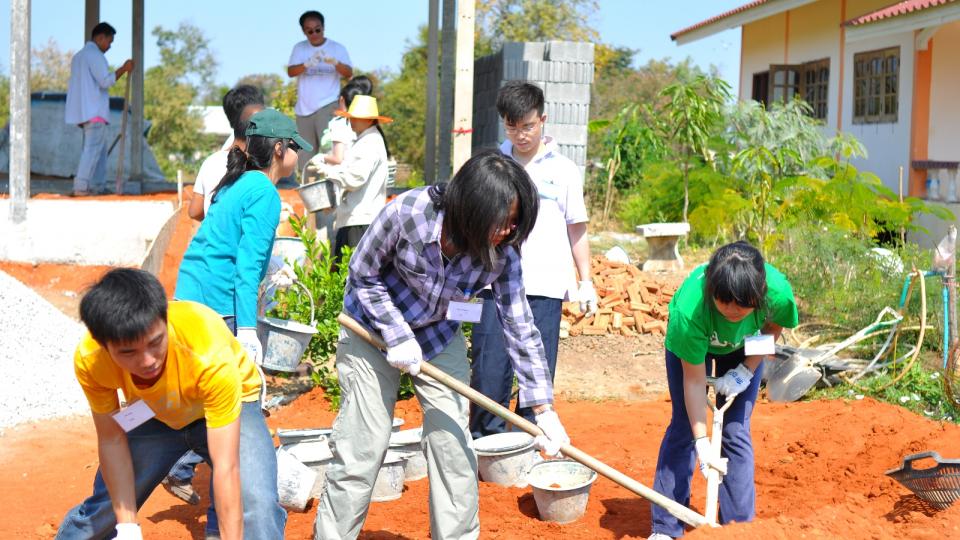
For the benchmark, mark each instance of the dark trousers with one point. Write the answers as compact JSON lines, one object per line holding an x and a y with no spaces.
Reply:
{"x":492,"y":372}
{"x":346,"y":237}
{"x":675,"y":464}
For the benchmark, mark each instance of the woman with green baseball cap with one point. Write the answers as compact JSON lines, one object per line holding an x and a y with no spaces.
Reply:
{"x":227,"y":259}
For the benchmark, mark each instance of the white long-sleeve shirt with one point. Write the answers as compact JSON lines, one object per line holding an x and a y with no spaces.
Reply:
{"x":90,"y":78}
{"x":363,"y":175}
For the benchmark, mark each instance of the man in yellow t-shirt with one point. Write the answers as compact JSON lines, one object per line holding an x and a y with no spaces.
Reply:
{"x":189,"y":385}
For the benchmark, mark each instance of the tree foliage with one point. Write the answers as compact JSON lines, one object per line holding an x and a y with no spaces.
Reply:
{"x":50,"y":68}
{"x":186,"y":65}
{"x":500,"y":21}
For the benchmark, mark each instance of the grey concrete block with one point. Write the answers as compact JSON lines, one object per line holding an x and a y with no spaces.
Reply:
{"x":569,"y":51}
{"x":576,"y":153}
{"x":531,"y":50}
{"x":542,"y":70}
{"x":567,"y":92}
{"x":567,"y":113}
{"x":567,"y":134}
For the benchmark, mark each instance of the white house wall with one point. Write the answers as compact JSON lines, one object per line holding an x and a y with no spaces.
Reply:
{"x":814,"y":35}
{"x":944,"y":138}
{"x":888,"y":144}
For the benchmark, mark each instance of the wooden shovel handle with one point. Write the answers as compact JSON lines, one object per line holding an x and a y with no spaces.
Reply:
{"x":676,"y":509}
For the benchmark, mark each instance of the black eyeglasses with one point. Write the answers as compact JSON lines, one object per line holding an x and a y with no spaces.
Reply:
{"x":293,"y":146}
{"x":312,"y":31}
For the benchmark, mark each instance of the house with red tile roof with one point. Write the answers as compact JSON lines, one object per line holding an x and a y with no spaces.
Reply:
{"x":888,"y":73}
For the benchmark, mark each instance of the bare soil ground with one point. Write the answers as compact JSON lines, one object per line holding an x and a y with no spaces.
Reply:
{"x":819,"y":473}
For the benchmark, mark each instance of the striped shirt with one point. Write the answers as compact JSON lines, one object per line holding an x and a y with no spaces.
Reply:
{"x":400,"y":286}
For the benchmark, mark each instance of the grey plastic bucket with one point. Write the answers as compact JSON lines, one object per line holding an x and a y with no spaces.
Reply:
{"x":408,"y":443}
{"x":389,"y":484}
{"x":284,"y":341}
{"x":505,"y":458}
{"x":319,"y":195}
{"x":561,"y":489}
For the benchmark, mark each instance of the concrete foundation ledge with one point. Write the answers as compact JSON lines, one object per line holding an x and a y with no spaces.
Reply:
{"x":114,"y":233}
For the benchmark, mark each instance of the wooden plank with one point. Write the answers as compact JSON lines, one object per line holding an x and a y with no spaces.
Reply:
{"x":617,"y":321}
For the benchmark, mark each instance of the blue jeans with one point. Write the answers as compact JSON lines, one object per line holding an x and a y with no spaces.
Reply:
{"x":675,"y":464}
{"x":492,"y":371}
{"x":185,"y":467}
{"x":92,"y":168}
{"x":155,"y":447}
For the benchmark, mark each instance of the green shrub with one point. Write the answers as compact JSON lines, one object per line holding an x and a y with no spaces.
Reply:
{"x":326,"y":286}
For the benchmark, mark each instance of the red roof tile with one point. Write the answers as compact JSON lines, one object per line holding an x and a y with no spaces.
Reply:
{"x":895,"y":10}
{"x":720,"y":17}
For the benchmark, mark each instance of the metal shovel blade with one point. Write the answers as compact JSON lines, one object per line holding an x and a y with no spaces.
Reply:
{"x":792,"y":378}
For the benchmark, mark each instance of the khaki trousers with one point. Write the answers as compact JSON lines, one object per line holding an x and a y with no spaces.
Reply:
{"x":361,"y":434}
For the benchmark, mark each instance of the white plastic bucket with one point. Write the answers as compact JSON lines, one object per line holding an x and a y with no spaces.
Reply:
{"x":408,"y":443}
{"x":505,"y":458}
{"x":319,"y":195}
{"x":294,"y":481}
{"x":316,"y":454}
{"x":561,"y":489}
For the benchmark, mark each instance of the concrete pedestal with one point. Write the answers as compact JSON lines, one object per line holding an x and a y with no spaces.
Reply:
{"x":662,"y":241}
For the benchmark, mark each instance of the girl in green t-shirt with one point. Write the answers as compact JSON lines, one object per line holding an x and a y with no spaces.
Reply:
{"x":733,"y":296}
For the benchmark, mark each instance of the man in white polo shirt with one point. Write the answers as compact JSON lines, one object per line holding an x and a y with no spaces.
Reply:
{"x":88,"y":106}
{"x":557,"y":245}
{"x":318,"y":63}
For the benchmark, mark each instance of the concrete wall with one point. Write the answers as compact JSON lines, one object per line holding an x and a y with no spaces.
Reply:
{"x":83,"y":232}
{"x":944,"y":138}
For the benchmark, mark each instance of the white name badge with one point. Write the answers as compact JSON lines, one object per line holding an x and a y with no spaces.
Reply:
{"x":134,"y":415}
{"x":761,"y":345}
{"x":468,"y":311}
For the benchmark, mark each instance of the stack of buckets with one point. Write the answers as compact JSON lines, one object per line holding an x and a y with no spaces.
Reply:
{"x":304,"y":455}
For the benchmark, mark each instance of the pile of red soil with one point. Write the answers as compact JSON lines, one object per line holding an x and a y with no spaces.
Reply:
{"x":820,"y":474}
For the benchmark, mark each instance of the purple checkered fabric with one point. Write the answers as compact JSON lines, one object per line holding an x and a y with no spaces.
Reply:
{"x":399,"y":286}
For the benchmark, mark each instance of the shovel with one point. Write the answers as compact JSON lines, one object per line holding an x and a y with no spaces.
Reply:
{"x":715,"y":477}
{"x":676,"y":509}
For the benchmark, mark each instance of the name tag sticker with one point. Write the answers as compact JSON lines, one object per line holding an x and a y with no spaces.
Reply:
{"x":468,"y":311}
{"x":134,"y":415}
{"x":761,"y":345}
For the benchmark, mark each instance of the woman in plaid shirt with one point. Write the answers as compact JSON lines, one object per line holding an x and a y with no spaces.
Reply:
{"x":413,"y":279}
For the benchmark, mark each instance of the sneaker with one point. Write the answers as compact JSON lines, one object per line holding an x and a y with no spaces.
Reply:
{"x":207,"y":535}
{"x":80,"y":193}
{"x":659,"y":536}
{"x":181,"y":490}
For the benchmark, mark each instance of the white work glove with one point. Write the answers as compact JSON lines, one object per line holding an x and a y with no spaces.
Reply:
{"x":312,"y":62}
{"x":283,"y":278}
{"x":128,"y":531}
{"x":554,"y":436}
{"x":734,"y":381}
{"x":406,"y":356}
{"x":588,"y":298}
{"x":706,"y":457}
{"x":248,"y":338}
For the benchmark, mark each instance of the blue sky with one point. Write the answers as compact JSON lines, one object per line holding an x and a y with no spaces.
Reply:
{"x":375,"y":32}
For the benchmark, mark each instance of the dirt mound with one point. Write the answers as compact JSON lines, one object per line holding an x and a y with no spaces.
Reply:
{"x":820,"y":474}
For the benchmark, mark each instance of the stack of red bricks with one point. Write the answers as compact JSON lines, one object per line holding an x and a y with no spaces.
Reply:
{"x":630,"y":302}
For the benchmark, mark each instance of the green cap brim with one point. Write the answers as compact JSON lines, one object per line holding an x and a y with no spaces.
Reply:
{"x":302,"y":143}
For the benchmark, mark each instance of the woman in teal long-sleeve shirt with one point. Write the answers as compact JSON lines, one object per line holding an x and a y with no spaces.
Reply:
{"x":226,"y":260}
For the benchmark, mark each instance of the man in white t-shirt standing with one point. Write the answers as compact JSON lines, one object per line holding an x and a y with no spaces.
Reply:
{"x":556,"y":246}
{"x":319,"y":64}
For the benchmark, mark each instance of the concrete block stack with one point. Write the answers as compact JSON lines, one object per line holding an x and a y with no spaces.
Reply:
{"x":564,"y":69}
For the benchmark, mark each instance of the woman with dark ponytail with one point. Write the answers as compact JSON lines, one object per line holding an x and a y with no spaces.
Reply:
{"x":227,"y":259}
